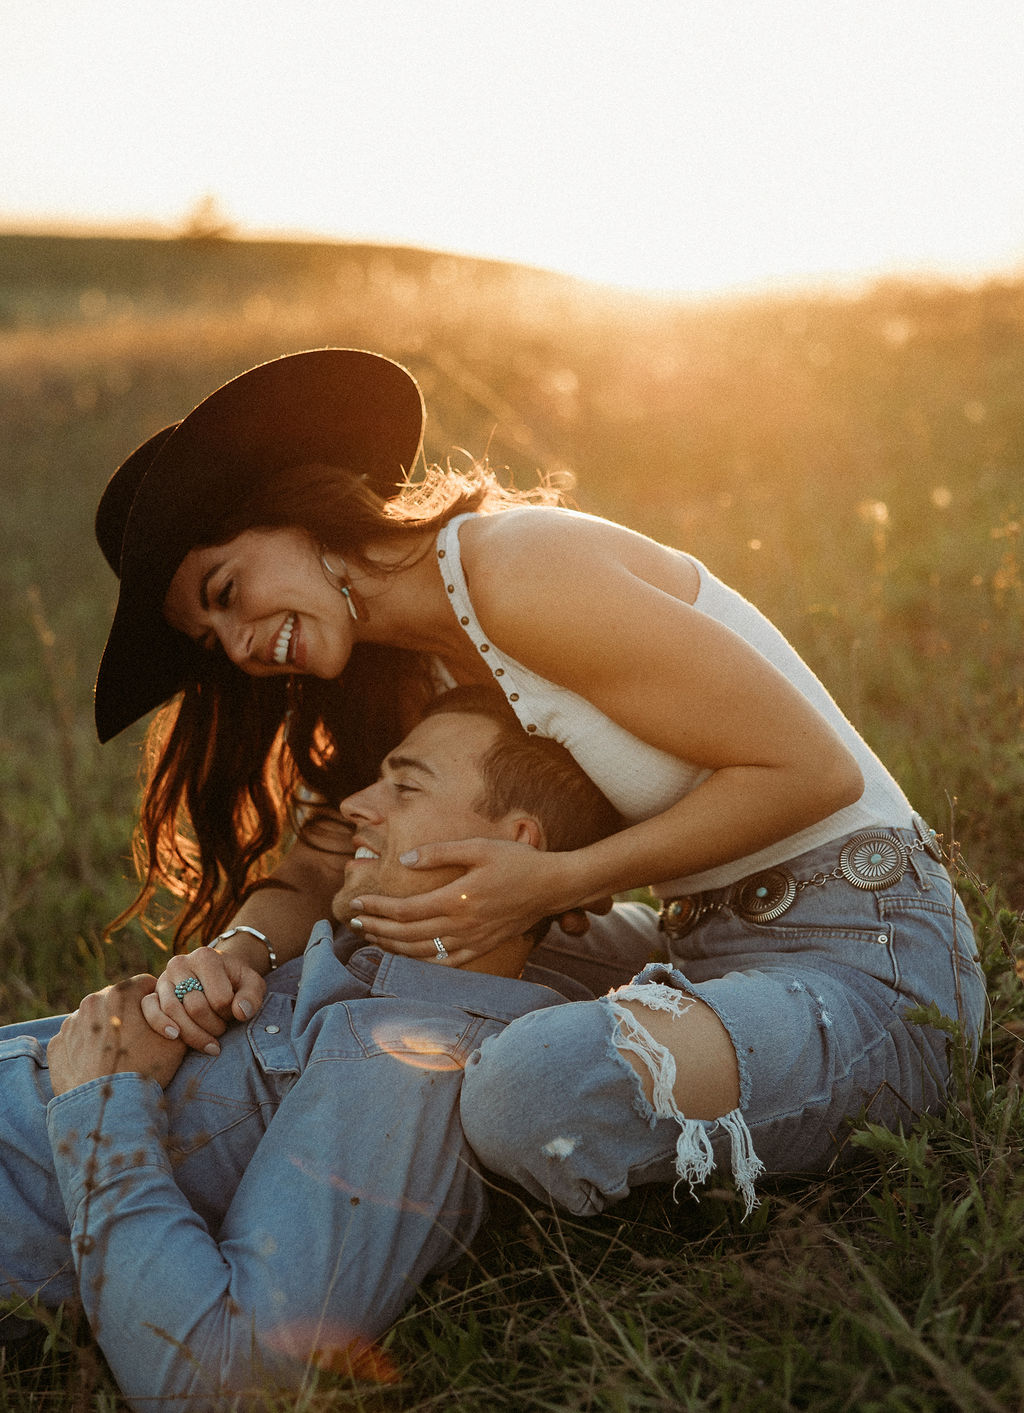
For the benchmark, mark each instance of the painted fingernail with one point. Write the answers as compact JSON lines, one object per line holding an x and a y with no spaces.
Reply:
{"x":357,"y":905}
{"x":357,"y":923}
{"x":246,"y":1008}
{"x":212,"y":1049}
{"x":172,"y":1032}
{"x":410,"y":858}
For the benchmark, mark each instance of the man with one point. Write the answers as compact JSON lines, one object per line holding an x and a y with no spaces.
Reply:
{"x":235,"y":1219}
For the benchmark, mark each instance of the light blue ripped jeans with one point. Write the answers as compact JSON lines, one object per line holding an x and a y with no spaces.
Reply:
{"x":816,"y":1004}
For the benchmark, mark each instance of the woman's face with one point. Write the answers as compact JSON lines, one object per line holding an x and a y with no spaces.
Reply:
{"x":264,"y":598}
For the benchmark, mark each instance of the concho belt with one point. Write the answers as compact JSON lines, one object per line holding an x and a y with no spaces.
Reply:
{"x":871,"y":860}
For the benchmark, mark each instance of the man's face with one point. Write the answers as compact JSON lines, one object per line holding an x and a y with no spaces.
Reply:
{"x":426,"y":793}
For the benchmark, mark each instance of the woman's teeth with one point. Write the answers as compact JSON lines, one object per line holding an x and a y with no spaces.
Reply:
{"x":363,"y":853}
{"x":282,"y":641}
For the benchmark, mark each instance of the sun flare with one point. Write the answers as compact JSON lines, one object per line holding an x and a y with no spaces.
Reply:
{"x":678,"y":146}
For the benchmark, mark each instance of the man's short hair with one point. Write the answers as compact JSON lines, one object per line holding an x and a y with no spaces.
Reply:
{"x":523,"y":771}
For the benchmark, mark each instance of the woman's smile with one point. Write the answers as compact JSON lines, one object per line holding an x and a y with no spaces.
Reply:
{"x":284,"y":641}
{"x":264,"y":599}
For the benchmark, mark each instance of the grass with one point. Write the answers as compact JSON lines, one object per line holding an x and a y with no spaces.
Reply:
{"x":854,"y":466}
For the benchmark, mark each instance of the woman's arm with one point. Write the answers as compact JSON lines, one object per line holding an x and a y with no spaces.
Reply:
{"x":232,"y":971}
{"x":312,"y":871}
{"x":561,"y":599}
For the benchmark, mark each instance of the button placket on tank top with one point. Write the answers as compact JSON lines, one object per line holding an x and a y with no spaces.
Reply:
{"x":456,"y":588}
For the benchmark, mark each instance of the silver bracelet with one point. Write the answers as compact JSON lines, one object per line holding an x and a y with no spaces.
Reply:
{"x":243,"y":927}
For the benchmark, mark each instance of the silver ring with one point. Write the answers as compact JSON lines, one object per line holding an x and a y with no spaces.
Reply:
{"x":442,"y":950}
{"x":191,"y":983}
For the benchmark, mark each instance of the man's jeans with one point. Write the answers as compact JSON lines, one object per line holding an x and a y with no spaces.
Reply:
{"x":282,"y":1202}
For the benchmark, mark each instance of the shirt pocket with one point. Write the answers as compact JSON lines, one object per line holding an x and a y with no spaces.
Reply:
{"x":421,"y":1036}
{"x":211,"y":1095}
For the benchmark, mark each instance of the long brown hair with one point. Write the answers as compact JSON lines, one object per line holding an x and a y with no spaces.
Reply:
{"x":226,"y":763}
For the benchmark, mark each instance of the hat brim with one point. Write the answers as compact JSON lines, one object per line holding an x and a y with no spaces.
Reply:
{"x":349,"y":408}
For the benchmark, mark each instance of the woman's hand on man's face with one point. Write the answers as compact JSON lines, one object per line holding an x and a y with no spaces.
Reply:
{"x":501,"y":890}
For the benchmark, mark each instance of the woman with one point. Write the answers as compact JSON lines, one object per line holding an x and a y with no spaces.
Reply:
{"x":277,"y":571}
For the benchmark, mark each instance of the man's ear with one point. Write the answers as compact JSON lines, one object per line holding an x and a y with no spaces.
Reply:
{"x":526,"y":830}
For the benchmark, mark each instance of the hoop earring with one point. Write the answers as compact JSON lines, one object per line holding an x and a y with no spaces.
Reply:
{"x":343,"y":586}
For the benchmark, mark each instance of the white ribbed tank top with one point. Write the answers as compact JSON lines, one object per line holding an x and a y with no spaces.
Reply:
{"x":641,"y":780}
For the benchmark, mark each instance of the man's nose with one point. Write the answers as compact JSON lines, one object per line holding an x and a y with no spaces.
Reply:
{"x":360,"y":806}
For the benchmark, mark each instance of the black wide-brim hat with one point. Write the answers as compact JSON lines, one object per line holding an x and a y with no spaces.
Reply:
{"x":344,"y":407}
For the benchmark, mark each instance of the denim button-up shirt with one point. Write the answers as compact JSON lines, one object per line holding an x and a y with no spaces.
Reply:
{"x":281,"y":1203}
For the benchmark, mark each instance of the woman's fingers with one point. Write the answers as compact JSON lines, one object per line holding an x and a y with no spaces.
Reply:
{"x":190,"y":1018}
{"x":409,"y":939}
{"x":378,"y":925}
{"x":432,"y":939}
{"x":199,"y":994}
{"x":450,"y":953}
{"x":419,"y":939}
{"x":398,"y":924}
{"x":458,"y":958}
{"x":413,"y":918}
{"x":249,"y":993}
{"x":507,"y":888}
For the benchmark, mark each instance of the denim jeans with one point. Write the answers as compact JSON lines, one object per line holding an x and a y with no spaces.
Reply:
{"x":277,"y":1205}
{"x":819,"y":1007}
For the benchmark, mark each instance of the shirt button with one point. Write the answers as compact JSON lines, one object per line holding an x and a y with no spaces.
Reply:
{"x":499,"y":672}
{"x":531,"y":728}
{"x":273,"y":1029}
{"x":440,"y":554}
{"x":485,"y":647}
{"x":463,"y":621}
{"x":513,"y":696}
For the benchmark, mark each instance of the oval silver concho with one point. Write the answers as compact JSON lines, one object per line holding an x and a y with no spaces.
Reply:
{"x":873,"y":860}
{"x":765,"y":896}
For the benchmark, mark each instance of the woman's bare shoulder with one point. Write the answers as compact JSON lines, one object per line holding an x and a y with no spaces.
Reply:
{"x":531,"y":531}
{"x":548,"y":544}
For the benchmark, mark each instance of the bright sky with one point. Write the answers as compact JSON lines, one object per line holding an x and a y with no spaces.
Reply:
{"x":688,"y":145}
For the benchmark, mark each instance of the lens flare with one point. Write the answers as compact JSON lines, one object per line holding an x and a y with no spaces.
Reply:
{"x":422,"y":1052}
{"x":335,"y":1350}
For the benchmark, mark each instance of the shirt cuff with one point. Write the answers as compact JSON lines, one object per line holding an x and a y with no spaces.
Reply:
{"x":103,"y":1128}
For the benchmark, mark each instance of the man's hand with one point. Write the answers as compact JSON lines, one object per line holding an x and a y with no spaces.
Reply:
{"x":109,"y":1035}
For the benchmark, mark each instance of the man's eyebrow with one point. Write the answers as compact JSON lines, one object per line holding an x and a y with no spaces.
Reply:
{"x":398,"y":762}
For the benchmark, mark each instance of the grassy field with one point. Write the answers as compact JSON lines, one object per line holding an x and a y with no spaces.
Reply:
{"x":854,"y":465}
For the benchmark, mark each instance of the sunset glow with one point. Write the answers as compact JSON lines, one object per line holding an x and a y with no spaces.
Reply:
{"x":678,"y":145}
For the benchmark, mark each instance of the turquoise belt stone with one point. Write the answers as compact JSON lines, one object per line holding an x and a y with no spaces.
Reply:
{"x":871,"y":860}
